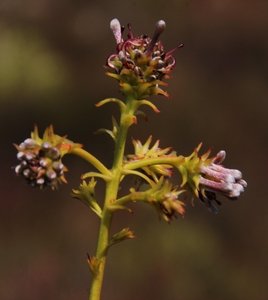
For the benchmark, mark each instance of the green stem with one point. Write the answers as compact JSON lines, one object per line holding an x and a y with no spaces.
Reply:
{"x":112,"y":187}
{"x":168,"y":160}
{"x":139,"y":174}
{"x":92,"y":160}
{"x":135,"y":196}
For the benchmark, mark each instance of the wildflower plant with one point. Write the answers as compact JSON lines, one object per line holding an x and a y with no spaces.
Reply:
{"x":141,"y":66}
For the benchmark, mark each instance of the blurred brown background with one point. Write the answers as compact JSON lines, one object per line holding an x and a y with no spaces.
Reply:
{"x":51,"y":71}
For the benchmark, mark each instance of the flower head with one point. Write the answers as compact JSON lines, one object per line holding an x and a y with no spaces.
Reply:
{"x":144,"y":151}
{"x":167,"y":202}
{"x":208,"y":178}
{"x":40,"y":158}
{"x":140,"y":64}
{"x":164,"y":197}
{"x":217,"y":179}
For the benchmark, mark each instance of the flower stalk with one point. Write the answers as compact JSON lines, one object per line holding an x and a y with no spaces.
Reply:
{"x":141,"y":67}
{"x":91,"y":159}
{"x":112,"y":187}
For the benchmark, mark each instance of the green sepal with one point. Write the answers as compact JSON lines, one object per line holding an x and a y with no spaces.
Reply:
{"x":190,"y":169}
{"x":61,"y":142}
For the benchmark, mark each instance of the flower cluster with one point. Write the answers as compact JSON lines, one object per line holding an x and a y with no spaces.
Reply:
{"x":140,"y":63}
{"x":86,"y":193}
{"x":163,"y":196}
{"x":40,"y":159}
{"x":166,"y":200}
{"x":207,"y":178}
{"x":216,"y":179}
{"x":144,"y":151}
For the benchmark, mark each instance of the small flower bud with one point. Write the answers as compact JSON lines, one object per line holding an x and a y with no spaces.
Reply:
{"x":51,"y":174}
{"x":44,"y":162}
{"x":40,"y":181}
{"x":18,"y":169}
{"x":20,"y":155}
{"x":58,"y":166}
{"x":29,"y":143}
{"x":29,"y":156}
{"x":46,"y":146}
{"x":26,"y":173}
{"x":53,"y":153}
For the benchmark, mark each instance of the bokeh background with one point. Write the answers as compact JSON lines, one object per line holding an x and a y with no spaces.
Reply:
{"x":51,"y":72}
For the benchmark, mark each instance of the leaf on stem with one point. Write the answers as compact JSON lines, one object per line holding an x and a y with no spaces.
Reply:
{"x":112,"y":133}
{"x":93,"y":263}
{"x":150,"y":104}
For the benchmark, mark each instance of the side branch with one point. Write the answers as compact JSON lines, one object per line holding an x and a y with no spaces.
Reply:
{"x":168,"y":160}
{"x":139,"y":174}
{"x":92,"y":160}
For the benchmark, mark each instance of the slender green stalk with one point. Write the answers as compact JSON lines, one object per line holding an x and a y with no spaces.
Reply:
{"x":92,"y":160}
{"x":110,"y":197}
{"x":168,"y":160}
{"x":139,"y":174}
